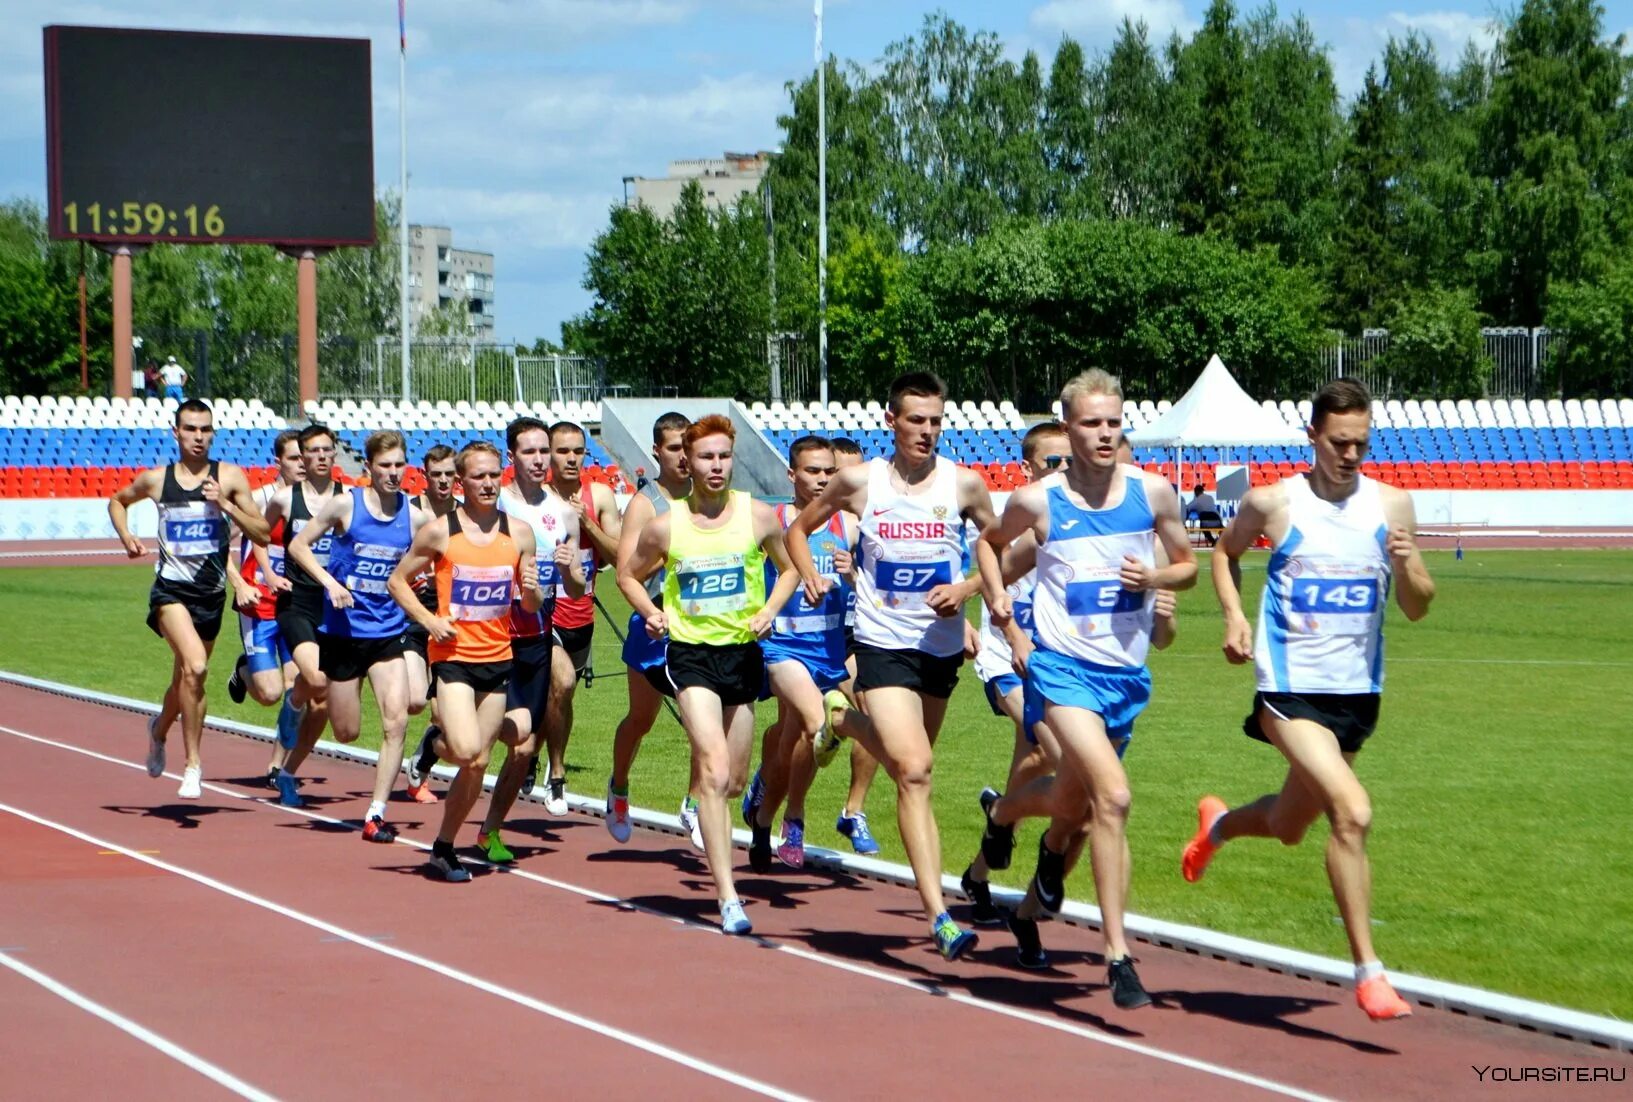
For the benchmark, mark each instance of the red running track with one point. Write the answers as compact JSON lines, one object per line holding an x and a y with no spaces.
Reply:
{"x":272,"y":947}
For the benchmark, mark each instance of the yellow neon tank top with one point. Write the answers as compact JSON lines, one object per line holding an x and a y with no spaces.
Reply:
{"x":714,"y":581}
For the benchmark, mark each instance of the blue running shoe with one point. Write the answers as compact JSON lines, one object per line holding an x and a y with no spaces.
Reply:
{"x":289,"y":724}
{"x":855,"y":827}
{"x":952,"y":941}
{"x":753,"y":798}
{"x":289,"y":793}
{"x":733,"y":920}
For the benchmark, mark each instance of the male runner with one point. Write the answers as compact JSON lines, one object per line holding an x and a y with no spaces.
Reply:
{"x":712,"y":545}
{"x":480,"y":561}
{"x":911,"y":634}
{"x":853,"y":817}
{"x":196,"y":497}
{"x":301,"y":608}
{"x":574,"y":616}
{"x":804,"y":659}
{"x":1096,"y":525}
{"x":1339,"y":542}
{"x":437,"y":500}
{"x":648,"y":683}
{"x":363,"y":627}
{"x":554,"y":525}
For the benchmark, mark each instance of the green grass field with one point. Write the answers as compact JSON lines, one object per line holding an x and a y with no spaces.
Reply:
{"x":1501,"y":774}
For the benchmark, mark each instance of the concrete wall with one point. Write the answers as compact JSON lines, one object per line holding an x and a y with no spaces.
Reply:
{"x":626,"y":433}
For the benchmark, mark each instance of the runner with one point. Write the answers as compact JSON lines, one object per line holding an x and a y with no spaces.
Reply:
{"x":305,"y":709}
{"x":363,"y":627}
{"x":196,"y":497}
{"x":853,"y":817}
{"x":804,"y":659}
{"x":643,"y":652}
{"x":1096,"y":525}
{"x":480,"y":561}
{"x":554,"y":524}
{"x":265,"y":670}
{"x":910,"y":591}
{"x":1340,"y":542}
{"x":438,"y":500}
{"x":712,"y":545}
{"x":574,"y":617}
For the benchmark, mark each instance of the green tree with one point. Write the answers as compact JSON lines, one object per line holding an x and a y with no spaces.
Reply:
{"x":1212,"y":79}
{"x":1435,"y":349}
{"x":1595,"y":318}
{"x":39,"y":307}
{"x":1367,"y":269}
{"x":1136,"y":148}
{"x":1068,"y":135}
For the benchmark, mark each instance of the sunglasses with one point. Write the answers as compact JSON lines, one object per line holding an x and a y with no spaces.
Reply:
{"x":1056,"y":462}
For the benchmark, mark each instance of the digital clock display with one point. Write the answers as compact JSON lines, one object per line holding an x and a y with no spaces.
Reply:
{"x":185,"y":137}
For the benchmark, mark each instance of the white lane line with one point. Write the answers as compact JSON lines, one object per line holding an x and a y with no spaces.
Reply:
{"x":189,"y":1060}
{"x":624,"y":1036}
{"x":863,"y":970}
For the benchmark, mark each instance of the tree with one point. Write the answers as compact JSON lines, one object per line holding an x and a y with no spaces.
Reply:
{"x":39,"y":307}
{"x":1211,"y":74}
{"x":1367,"y":271}
{"x":1137,"y":137}
{"x":1595,"y":318}
{"x":1068,"y":135}
{"x":1435,"y":349}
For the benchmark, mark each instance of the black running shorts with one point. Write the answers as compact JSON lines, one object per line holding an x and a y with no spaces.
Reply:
{"x":575,"y":643}
{"x":1351,"y":717}
{"x":347,"y":658}
{"x":204,"y":605}
{"x":300,"y":615}
{"x":734,"y":672}
{"x":529,"y":684}
{"x":484,"y":677}
{"x":930,"y":674}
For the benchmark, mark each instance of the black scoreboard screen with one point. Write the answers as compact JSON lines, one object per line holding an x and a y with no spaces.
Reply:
{"x":208,"y":138}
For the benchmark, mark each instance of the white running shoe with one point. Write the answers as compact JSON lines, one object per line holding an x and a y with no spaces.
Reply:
{"x":555,"y":795}
{"x":155,"y":749}
{"x":617,"y":815}
{"x":192,"y":786}
{"x":689,"y":823}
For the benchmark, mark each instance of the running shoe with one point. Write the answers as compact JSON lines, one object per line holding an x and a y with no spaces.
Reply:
{"x":690,"y":822}
{"x":192,"y":786}
{"x":1378,"y":999}
{"x":855,"y":827}
{"x":1201,"y":848}
{"x":419,"y":763}
{"x":1049,"y":880}
{"x":952,"y":941}
{"x":752,"y":798}
{"x":792,"y":850}
{"x":1126,"y":989}
{"x":155,"y":749}
{"x":236,"y":688}
{"x":289,"y":790}
{"x":289,"y":724}
{"x":445,"y":865}
{"x":982,"y":912}
{"x":732,"y":918}
{"x":421,"y":793}
{"x":825,"y":747}
{"x":997,"y":842}
{"x":531,"y":781}
{"x":617,"y":815}
{"x":759,"y":849}
{"x":271,"y":778}
{"x":378,"y":830}
{"x":1029,"y":951}
{"x":555,"y":795}
{"x":494,"y":847}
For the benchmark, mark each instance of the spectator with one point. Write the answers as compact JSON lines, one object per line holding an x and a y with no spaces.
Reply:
{"x":1206,"y":511}
{"x":174,"y":376}
{"x":148,"y":381}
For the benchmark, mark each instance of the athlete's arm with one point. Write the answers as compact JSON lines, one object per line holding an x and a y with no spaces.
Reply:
{"x":527,"y":568}
{"x":1244,"y":530}
{"x":845,"y":557}
{"x":1163,"y":625}
{"x":650,"y":550}
{"x":974,"y":506}
{"x":1414,"y":588}
{"x":144,"y":486}
{"x":244,"y":594}
{"x":1020,"y":557}
{"x":847,"y":491}
{"x":768,"y":530}
{"x":569,"y":563}
{"x":335,"y":516}
{"x":599,"y":518}
{"x":638,"y":513}
{"x":277,"y":505}
{"x":1180,"y":572}
{"x":1021,"y":514}
{"x":236,"y":499}
{"x":429,"y":544}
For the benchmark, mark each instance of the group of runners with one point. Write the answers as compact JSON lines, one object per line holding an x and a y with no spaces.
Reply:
{"x":846,"y":606}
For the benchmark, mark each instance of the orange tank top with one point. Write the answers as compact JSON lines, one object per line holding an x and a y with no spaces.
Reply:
{"x":475,"y":585}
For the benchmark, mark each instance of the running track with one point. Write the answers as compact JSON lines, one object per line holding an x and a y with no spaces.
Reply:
{"x":286,"y":960}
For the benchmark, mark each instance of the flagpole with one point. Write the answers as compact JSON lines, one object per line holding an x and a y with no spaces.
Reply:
{"x":822,"y":213}
{"x":402,"y":188}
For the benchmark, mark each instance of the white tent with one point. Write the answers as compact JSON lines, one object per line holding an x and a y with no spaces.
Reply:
{"x":1217,"y":412}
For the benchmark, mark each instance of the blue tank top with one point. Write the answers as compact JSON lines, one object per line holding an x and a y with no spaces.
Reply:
{"x":362,"y":559}
{"x":819,"y":629}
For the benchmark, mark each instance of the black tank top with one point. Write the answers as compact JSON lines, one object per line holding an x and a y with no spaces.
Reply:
{"x":192,"y":533}
{"x":299,"y":515}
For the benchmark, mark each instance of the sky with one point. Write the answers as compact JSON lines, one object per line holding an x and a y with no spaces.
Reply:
{"x":524,"y":116}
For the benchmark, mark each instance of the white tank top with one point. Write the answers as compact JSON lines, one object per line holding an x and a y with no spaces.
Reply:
{"x":909,"y":545}
{"x":1321,"y":617}
{"x":1080,"y":608}
{"x":548,"y":520}
{"x":996,"y":656}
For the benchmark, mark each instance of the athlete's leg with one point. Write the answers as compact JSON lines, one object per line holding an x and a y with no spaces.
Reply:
{"x":345,"y":700}
{"x":800,"y":709}
{"x":901,"y":722}
{"x":1028,"y":786}
{"x":558,"y":725}
{"x":311,"y":686}
{"x":705,"y":719}
{"x":187,"y":680}
{"x":417,"y":678}
{"x":517,"y":732}
{"x":470,"y":723}
{"x":644,"y":702}
{"x":279,"y":751}
{"x":1087,"y":752}
{"x":389,"y":680}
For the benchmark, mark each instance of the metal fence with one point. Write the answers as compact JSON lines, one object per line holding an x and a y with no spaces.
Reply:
{"x":453,"y":370}
{"x":1519,"y":362}
{"x":791,"y":368}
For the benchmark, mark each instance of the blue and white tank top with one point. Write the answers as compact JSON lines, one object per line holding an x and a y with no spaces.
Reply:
{"x":1321,"y":617}
{"x":820,"y":627}
{"x":193,"y":534}
{"x":996,"y":656}
{"x":548,"y":521}
{"x":362,"y":559}
{"x":1080,"y":607}
{"x":910,"y":543}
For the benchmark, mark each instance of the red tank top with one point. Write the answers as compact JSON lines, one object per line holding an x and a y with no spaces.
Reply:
{"x":578,"y":612}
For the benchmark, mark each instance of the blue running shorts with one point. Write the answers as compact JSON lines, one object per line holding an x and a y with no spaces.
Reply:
{"x":1117,"y":694}
{"x":263,"y":644}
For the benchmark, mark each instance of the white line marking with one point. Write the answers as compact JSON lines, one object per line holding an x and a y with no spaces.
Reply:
{"x":802,"y":954}
{"x":191,"y":1061}
{"x":634,"y":1040}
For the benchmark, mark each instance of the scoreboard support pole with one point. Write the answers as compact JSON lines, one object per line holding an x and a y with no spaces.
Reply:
{"x":123,"y":353}
{"x":306,"y":311}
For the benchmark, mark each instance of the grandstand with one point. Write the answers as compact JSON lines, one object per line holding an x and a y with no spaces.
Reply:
{"x":88,"y":447}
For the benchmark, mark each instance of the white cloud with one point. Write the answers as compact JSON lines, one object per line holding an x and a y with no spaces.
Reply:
{"x":1094,"y":23}
{"x":1360,"y":42}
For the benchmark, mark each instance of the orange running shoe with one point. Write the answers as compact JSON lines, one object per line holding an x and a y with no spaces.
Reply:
{"x":1379,"y":1000}
{"x":1200,"y":849}
{"x":422,"y":793}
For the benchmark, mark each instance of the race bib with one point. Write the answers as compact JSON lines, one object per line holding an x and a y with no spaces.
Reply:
{"x":480,"y":592}
{"x":320,"y":546}
{"x":1098,"y":604}
{"x":1333,"y":599}
{"x":372,"y":567}
{"x":711,"y":585}
{"x":800,"y":617}
{"x":907,"y":584}
{"x":587,"y":558}
{"x":275,"y":558}
{"x":1022,"y":612}
{"x":194,"y":530}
